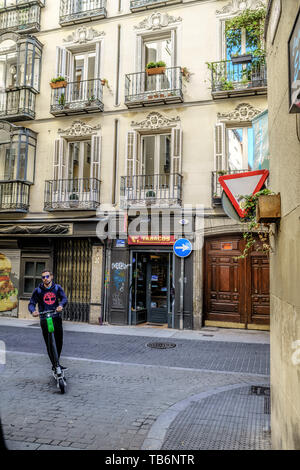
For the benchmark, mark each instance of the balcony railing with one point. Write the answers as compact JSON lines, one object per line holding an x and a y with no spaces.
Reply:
{"x":17,"y":105}
{"x":148,"y":90}
{"x":216,"y":188}
{"x":14,"y":196}
{"x":77,"y":98}
{"x":78,"y":11}
{"x":72,"y":194}
{"x":23,"y":16}
{"x":160,"y":189}
{"x":136,"y":5}
{"x":230,"y":79}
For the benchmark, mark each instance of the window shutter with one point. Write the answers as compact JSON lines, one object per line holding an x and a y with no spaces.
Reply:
{"x":220,"y":160}
{"x":173,"y":48}
{"x":96,"y":156}
{"x":176,"y":150}
{"x":60,"y":63}
{"x":63,"y":63}
{"x":131,"y":153}
{"x":139,"y":54}
{"x":97,"y":60}
{"x":62,"y":158}
{"x":59,"y":162}
{"x":68,"y":65}
{"x":56,"y":160}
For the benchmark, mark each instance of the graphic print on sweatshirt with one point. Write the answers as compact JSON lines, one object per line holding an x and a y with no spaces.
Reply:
{"x":49,"y":298}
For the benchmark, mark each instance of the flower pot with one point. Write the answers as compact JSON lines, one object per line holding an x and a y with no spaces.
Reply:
{"x":268,"y":209}
{"x":241,"y":59}
{"x":61,"y":84}
{"x":156,"y":71}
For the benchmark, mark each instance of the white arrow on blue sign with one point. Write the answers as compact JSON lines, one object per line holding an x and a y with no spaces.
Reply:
{"x":182,"y":247}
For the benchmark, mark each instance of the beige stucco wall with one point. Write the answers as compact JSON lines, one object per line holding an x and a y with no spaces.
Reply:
{"x":198,"y":42}
{"x":285,"y":261}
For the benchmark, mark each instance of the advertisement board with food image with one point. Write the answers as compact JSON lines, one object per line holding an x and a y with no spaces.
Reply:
{"x":9,"y":281}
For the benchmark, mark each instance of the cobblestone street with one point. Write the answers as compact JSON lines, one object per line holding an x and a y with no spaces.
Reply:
{"x":124,"y":395}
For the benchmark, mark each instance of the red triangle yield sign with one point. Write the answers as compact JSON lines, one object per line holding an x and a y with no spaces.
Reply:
{"x":241,"y":184}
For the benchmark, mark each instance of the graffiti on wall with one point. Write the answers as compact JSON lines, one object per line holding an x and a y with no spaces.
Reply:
{"x":9,"y":281}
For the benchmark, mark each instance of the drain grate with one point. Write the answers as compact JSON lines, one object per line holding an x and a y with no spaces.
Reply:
{"x":161,"y":345}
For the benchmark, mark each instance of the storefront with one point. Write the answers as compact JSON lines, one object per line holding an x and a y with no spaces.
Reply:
{"x":142,"y":283}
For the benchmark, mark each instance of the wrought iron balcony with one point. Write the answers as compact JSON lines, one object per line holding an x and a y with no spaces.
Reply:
{"x":78,"y":11}
{"x":230,"y":79}
{"x":216,"y":188}
{"x":155,"y":190}
{"x":148,"y":90}
{"x":72,"y":194}
{"x":136,"y":5}
{"x":14,"y":196}
{"x":82,"y":97}
{"x":23,"y":16}
{"x":17,"y":104}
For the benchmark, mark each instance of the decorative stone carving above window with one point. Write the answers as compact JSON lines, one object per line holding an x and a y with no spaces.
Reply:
{"x":157,"y":21}
{"x":238,"y":6}
{"x":243,"y":112}
{"x":156,"y":120}
{"x":79,"y":128}
{"x":83,"y":35}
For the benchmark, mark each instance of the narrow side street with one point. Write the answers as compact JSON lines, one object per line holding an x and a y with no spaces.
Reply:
{"x":123,"y":394}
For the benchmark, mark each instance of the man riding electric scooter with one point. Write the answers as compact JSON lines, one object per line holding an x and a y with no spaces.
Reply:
{"x":49,"y":296}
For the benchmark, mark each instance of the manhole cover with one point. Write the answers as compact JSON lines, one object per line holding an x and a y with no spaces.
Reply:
{"x":161,"y":345}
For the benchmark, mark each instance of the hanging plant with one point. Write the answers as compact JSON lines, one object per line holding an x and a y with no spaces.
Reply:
{"x":253,"y":227}
{"x":253,"y":22}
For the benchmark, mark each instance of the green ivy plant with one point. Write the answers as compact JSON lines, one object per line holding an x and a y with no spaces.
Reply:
{"x":253,"y":22}
{"x":253,"y":227}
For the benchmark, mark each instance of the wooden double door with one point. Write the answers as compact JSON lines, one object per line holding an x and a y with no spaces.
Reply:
{"x":236,"y":290}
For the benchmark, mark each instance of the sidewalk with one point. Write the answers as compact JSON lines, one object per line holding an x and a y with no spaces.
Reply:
{"x":206,"y":333}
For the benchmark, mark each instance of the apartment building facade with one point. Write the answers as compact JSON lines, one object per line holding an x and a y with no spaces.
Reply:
{"x":114,"y":140}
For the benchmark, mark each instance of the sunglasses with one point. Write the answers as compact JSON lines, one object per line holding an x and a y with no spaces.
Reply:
{"x":46,"y":277}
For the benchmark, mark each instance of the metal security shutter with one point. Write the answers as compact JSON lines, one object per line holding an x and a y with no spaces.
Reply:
{"x":72,"y":268}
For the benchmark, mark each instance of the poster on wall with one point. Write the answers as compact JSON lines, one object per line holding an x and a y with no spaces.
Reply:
{"x":294,"y":66}
{"x":9,"y":282}
{"x":261,"y":153}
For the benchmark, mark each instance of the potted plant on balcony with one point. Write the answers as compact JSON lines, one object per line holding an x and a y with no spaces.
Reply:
{"x":156,"y":68}
{"x":150,"y":197}
{"x":74,"y":200}
{"x":227,"y":84}
{"x":62,"y":100}
{"x":58,"y":82}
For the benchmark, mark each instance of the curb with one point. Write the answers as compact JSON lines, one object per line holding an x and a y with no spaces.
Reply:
{"x":158,"y":431}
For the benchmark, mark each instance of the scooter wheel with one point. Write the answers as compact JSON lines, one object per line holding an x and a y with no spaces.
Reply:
{"x":62,"y":385}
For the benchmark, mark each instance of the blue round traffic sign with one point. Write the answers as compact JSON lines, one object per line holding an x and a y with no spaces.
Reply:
{"x":182,"y":247}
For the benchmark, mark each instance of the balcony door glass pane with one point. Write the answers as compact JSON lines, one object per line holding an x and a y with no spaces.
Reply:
{"x":74,"y":155}
{"x":22,"y":162}
{"x":240,"y":148}
{"x":28,"y":78}
{"x":86,"y":159}
{"x":164,"y":161}
{"x":148,"y":157}
{"x":10,"y":168}
{"x":155,"y":51}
